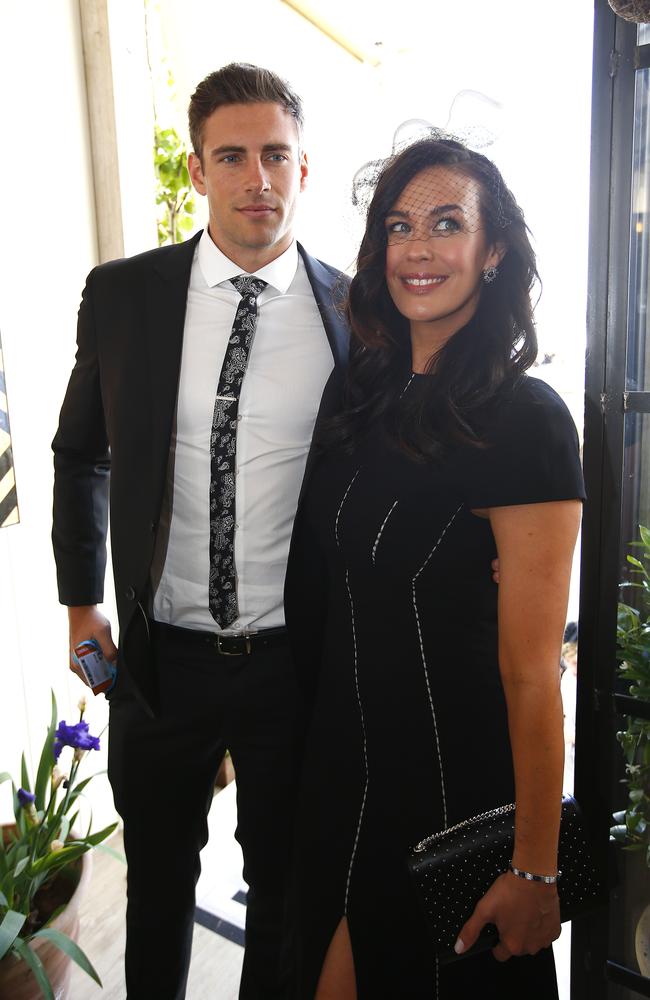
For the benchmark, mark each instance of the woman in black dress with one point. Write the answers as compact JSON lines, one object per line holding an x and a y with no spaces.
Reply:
{"x":432,"y":694}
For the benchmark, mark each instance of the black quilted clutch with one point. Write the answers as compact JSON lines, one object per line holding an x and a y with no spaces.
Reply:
{"x":453,"y":869}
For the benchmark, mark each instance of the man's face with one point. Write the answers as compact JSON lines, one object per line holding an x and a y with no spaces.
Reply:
{"x":252,"y":171}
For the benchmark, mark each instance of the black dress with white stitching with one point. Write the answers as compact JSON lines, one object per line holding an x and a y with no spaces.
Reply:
{"x":393,"y":611}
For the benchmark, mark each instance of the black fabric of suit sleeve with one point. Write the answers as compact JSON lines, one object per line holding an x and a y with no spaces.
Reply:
{"x":307,"y":570}
{"x":81,"y":473}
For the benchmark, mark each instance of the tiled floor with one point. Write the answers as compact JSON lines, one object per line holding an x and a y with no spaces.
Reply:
{"x":216,"y":961}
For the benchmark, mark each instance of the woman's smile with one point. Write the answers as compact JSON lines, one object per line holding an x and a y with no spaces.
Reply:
{"x":422,"y":284}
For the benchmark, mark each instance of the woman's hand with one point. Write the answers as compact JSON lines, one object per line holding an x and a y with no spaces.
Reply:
{"x":526,"y":914}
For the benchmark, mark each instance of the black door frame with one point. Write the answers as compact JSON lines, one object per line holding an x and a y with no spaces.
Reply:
{"x":598,"y":758}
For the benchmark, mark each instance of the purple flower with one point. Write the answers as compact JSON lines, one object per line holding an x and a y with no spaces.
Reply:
{"x":25,"y":798}
{"x":76,"y":736}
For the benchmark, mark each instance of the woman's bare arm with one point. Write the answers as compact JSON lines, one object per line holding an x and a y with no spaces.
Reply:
{"x":535,"y":543}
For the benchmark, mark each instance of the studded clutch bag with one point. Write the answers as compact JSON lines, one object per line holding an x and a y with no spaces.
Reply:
{"x":454,"y":868}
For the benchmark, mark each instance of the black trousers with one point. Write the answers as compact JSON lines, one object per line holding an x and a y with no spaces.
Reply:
{"x":162,"y":772}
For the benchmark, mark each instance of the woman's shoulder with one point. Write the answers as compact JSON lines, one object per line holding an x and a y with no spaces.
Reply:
{"x":531,"y":402}
{"x":529,"y":390}
{"x":531,"y":449}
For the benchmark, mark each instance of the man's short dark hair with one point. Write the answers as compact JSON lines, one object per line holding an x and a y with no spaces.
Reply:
{"x":239,"y":83}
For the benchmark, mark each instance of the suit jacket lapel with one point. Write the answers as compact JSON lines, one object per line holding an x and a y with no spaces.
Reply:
{"x":166,"y":304}
{"x":330,"y":291}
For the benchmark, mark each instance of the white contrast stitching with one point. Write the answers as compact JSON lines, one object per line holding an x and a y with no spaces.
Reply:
{"x":338,"y":513}
{"x":424,"y":662}
{"x":365,"y":747}
{"x":374,"y":548}
{"x":407,"y":385}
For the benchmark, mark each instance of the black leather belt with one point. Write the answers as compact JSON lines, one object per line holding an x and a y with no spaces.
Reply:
{"x":240,"y":644}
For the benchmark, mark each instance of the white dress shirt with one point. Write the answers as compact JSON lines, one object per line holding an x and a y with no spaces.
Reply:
{"x":289,"y":362}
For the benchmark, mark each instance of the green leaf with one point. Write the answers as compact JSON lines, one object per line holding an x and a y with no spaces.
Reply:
{"x":78,"y":789}
{"x":33,"y":961}
{"x":96,"y":838}
{"x":56,"y":859}
{"x":19,"y":816}
{"x":65,"y":829}
{"x":46,"y":762}
{"x":113,"y":853}
{"x":71,"y":949}
{"x":10,"y":929}
{"x":20,"y":867}
{"x":4,"y":776}
{"x":8,"y":890}
{"x":24,"y":777}
{"x":645,"y":536}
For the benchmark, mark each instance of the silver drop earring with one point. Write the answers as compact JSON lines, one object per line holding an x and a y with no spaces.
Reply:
{"x":489,"y":274}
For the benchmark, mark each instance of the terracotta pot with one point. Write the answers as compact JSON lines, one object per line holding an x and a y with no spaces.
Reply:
{"x":16,"y":979}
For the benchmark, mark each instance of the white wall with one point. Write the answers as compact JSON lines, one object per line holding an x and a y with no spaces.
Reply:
{"x":48,"y":246}
{"x":134,"y":123}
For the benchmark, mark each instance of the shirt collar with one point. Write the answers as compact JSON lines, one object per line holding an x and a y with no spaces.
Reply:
{"x":216,"y":268}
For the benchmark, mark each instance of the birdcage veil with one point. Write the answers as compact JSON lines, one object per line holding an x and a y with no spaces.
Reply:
{"x":435,"y":184}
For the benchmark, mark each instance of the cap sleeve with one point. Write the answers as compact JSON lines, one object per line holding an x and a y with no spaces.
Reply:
{"x":533,"y":454}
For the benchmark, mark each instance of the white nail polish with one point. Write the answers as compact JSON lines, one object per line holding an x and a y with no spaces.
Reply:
{"x":459,"y":947}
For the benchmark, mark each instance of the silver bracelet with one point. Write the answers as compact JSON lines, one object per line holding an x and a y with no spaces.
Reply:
{"x":547,"y":879}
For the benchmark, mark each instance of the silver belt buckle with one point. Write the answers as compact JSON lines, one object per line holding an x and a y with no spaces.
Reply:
{"x":226,"y":652}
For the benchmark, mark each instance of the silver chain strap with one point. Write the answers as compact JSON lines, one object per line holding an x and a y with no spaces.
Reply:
{"x":492,"y":814}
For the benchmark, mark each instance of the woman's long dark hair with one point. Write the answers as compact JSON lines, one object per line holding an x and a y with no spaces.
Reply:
{"x":497,"y":345}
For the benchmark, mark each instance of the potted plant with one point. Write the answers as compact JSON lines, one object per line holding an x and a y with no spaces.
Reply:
{"x":631,"y":896}
{"x":42,"y":868}
{"x":632,"y":827}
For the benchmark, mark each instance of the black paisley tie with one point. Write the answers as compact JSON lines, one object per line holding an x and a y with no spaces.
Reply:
{"x":223,"y":444}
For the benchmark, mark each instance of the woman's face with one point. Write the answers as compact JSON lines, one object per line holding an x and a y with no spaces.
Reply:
{"x":437,"y":251}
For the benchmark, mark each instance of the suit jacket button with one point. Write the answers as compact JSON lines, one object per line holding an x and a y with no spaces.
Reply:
{"x":130,"y":593}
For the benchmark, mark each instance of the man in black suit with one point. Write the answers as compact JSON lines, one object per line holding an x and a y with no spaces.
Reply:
{"x":202,"y":475}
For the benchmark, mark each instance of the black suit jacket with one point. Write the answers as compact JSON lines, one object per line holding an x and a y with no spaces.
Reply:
{"x":112,"y":445}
